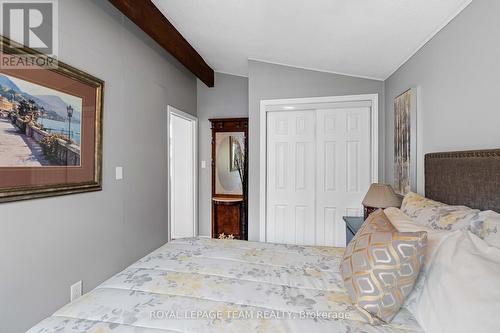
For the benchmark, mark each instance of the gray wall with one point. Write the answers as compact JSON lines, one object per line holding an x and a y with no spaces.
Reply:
{"x":48,"y":244}
{"x":269,"y":81}
{"x":458,"y":75}
{"x":228,"y":99}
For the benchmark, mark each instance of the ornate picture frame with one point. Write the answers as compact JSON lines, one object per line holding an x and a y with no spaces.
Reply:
{"x":50,"y":129}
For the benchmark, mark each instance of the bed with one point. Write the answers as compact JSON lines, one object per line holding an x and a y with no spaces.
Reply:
{"x":207,"y":285}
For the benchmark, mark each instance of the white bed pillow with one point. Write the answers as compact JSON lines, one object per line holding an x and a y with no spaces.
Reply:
{"x":487,"y":227}
{"x":403,"y":223}
{"x":461,"y":289}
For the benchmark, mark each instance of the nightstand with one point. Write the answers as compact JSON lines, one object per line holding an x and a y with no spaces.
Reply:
{"x":352,"y":225}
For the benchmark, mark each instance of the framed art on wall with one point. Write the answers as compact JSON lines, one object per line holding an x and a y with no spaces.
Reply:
{"x":50,"y":129}
{"x":405,"y":142}
{"x":235,"y":152}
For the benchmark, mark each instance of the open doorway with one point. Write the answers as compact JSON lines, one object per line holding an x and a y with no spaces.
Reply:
{"x":182,"y":174}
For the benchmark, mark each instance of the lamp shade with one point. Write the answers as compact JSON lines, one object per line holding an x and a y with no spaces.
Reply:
{"x":381,"y":196}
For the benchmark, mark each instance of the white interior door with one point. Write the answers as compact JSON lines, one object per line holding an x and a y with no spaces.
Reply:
{"x":318,"y":170}
{"x":182,"y":175}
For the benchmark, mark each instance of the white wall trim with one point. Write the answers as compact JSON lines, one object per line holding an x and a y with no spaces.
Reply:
{"x":431,"y":35}
{"x":194,"y":120}
{"x":358,"y":76}
{"x":232,"y":74}
{"x":264,"y":104}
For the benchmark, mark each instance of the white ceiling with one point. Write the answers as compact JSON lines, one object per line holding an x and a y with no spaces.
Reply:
{"x":366,"y":38}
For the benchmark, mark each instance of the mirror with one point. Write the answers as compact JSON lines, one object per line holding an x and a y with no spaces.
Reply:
{"x":229,"y":162}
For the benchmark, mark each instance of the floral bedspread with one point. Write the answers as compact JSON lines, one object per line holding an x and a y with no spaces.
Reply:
{"x":207,"y":285}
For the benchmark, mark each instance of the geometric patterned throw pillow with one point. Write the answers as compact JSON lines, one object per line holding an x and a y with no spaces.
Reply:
{"x":380,"y":266}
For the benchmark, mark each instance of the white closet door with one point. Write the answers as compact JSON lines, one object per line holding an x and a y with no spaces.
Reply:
{"x":343,"y":167}
{"x":290,"y":177}
{"x":318,"y":170}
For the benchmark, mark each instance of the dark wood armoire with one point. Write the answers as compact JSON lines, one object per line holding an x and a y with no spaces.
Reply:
{"x":230,"y":177}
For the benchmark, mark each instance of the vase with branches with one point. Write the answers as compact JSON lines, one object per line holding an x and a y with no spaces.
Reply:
{"x":240,"y":162}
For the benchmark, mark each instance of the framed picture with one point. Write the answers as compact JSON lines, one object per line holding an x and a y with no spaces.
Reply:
{"x":234,"y":153}
{"x":405,"y":150}
{"x":50,"y":129}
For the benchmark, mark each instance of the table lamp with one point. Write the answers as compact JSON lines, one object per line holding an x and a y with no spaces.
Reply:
{"x":380,"y":196}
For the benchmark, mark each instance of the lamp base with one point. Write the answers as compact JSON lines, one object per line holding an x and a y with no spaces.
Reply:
{"x":368,"y":211}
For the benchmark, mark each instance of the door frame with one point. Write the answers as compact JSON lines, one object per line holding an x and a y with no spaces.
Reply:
{"x":194,"y":123}
{"x":302,"y":104}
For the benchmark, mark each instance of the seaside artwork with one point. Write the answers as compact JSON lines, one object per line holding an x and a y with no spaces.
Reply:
{"x":39,"y":126}
{"x":50,"y":128}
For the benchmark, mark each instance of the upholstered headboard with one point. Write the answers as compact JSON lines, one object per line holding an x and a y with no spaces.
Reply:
{"x":469,"y":178}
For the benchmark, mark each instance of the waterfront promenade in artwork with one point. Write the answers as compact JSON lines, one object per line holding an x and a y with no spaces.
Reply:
{"x":39,"y":126}
{"x":17,"y":149}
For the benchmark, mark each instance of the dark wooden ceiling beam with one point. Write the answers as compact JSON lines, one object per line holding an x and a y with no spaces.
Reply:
{"x":149,"y":18}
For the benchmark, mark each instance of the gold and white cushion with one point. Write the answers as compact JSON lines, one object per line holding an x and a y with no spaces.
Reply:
{"x":443,"y":217}
{"x":380,"y":266}
{"x":437,"y":215}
